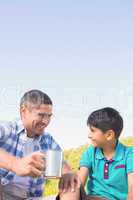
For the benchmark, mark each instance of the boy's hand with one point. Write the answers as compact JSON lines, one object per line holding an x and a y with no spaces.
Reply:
{"x":69,"y":182}
{"x":31,"y":165}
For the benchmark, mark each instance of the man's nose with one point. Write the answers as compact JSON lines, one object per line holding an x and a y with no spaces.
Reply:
{"x":45,"y":120}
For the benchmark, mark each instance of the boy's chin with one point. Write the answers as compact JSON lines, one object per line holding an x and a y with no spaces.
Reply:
{"x":94,"y":144}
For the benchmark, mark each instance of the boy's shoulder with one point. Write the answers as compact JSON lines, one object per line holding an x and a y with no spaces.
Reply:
{"x":123,"y":151}
{"x":91,"y":150}
{"x":126,"y":148}
{"x":121,"y":148}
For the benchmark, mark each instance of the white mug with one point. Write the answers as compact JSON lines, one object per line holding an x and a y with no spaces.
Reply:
{"x":54,"y":159}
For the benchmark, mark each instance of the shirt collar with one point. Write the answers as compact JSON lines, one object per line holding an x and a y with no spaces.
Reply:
{"x":21,"y":129}
{"x":19,"y":126}
{"x":119,"y":152}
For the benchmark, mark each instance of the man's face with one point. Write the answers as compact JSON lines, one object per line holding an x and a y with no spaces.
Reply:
{"x":97,"y":137}
{"x":36,"y":119}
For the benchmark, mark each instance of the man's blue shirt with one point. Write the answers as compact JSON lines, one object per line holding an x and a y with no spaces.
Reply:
{"x":12,"y":140}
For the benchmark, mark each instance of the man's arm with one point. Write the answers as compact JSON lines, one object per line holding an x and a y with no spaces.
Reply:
{"x":66,"y":167}
{"x":73,"y":180}
{"x":130,"y":186}
{"x":31,"y":165}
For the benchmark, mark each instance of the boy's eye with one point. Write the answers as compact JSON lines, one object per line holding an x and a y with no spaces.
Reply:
{"x":92,"y":130}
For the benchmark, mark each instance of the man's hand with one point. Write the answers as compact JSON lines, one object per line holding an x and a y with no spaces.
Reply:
{"x":69,"y":182}
{"x":31,"y":165}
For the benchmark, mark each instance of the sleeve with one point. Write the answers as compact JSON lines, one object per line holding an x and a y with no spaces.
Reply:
{"x":5,"y":131}
{"x":86,"y":158}
{"x":129,"y":163}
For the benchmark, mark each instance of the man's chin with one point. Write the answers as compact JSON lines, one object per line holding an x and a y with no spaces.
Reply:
{"x":40,"y":132}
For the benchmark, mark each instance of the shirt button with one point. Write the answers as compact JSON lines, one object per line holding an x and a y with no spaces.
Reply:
{"x":106,"y":171}
{"x":4,"y":181}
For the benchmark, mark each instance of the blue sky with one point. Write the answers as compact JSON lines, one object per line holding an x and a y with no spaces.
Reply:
{"x":79,"y":52}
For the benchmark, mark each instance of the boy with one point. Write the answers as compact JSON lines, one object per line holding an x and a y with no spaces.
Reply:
{"x":107,"y":162}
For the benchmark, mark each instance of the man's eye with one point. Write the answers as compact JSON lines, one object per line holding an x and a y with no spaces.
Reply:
{"x":43,"y":115}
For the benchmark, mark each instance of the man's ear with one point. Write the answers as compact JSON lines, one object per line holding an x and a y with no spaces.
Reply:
{"x":22,"y":109}
{"x":110,"y":135}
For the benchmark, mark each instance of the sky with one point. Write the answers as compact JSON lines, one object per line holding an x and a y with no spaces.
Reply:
{"x":78,"y":52}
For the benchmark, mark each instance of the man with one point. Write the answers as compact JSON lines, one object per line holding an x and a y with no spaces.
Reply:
{"x":21,"y":138}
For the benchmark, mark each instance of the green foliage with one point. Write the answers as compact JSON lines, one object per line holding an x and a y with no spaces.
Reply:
{"x":128,"y":141}
{"x":51,"y":187}
{"x":72,"y":156}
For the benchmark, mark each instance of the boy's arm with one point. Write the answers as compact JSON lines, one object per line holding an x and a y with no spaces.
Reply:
{"x":83,"y":175}
{"x":130,"y":186}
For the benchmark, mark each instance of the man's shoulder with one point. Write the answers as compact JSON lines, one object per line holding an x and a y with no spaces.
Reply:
{"x":7,"y":124}
{"x":7,"y":129}
{"x":46,"y":135}
{"x":14,"y":125}
{"x":48,"y":141}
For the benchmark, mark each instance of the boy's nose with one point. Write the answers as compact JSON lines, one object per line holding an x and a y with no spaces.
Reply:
{"x":89,"y":135}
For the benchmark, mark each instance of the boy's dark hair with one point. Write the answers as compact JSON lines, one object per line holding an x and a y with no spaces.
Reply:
{"x":106,"y":119}
{"x":35,"y":97}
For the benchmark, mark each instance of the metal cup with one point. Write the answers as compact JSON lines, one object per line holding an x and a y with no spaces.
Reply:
{"x":54,"y":160}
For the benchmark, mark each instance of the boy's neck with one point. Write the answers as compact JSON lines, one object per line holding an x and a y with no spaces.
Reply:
{"x":109,"y":150}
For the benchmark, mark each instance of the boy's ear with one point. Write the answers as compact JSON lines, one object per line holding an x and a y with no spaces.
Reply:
{"x":110,"y":134}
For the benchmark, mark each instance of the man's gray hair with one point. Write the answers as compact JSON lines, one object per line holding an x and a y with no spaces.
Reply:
{"x":35,"y":98}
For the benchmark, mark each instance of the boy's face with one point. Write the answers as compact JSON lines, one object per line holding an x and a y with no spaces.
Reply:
{"x":98,"y":138}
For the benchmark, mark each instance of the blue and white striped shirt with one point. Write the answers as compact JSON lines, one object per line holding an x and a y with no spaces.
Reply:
{"x":12,"y":140}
